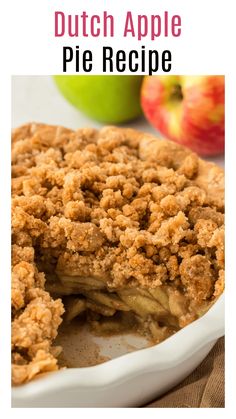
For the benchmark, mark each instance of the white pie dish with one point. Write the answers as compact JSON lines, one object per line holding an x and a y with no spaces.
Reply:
{"x":131,"y":379}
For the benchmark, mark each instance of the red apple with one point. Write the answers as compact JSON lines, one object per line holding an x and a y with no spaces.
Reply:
{"x":187,"y":109}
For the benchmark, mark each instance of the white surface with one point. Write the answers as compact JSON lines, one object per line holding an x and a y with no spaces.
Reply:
{"x":129,"y":380}
{"x":36,"y":99}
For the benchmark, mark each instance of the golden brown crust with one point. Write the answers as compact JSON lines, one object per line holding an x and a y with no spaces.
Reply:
{"x":115,"y":204}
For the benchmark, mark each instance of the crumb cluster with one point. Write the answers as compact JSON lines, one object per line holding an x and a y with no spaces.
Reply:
{"x":114,"y":204}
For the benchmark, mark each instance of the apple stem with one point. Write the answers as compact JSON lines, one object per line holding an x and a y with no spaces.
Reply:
{"x":176,"y":93}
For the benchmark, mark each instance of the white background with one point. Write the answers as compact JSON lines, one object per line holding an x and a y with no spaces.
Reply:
{"x":207,"y":46}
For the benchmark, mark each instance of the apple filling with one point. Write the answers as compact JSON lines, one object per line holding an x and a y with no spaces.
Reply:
{"x":156,"y":312}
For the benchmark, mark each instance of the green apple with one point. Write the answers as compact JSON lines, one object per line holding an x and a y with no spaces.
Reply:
{"x":109,"y":99}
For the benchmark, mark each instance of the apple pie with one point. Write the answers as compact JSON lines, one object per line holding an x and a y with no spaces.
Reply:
{"x":115,"y":226}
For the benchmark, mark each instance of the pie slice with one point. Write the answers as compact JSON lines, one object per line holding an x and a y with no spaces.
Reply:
{"x":116,"y":226}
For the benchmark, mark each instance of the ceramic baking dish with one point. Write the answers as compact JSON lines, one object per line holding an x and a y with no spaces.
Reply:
{"x":131,"y":379}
